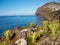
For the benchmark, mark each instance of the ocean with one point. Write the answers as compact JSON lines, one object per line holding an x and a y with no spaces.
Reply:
{"x":9,"y":22}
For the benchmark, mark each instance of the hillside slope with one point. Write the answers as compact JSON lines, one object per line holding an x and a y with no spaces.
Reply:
{"x":49,"y":10}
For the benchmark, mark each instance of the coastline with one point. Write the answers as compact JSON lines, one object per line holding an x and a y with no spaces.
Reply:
{"x":33,"y":30}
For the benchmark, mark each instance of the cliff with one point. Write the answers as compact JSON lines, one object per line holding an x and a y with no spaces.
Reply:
{"x":49,"y":11}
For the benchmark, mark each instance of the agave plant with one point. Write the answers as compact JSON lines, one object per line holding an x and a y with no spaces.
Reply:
{"x":53,"y":28}
{"x":45,"y":26}
{"x":58,"y":32}
{"x":33,"y":36}
{"x":7,"y":33}
{"x":31,"y":39}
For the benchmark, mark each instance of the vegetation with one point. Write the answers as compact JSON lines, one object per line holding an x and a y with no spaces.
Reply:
{"x":45,"y":27}
{"x":32,"y":25}
{"x":6,"y":34}
{"x":53,"y":28}
{"x":32,"y":38}
{"x":49,"y":28}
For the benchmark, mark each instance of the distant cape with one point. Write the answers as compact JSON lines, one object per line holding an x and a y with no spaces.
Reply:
{"x":49,"y":11}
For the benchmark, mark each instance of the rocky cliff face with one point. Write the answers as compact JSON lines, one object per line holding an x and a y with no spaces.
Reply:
{"x":49,"y":10}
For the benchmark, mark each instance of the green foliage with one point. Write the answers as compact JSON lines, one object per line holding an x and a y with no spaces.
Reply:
{"x":32,"y":25}
{"x":58,"y":32}
{"x":29,"y":40}
{"x":32,"y":38}
{"x":54,"y":26}
{"x":1,"y":43}
{"x":45,"y":26}
{"x":7,"y":33}
{"x":38,"y":34}
{"x":4,"y":43}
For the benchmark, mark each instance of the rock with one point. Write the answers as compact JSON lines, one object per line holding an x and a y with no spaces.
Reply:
{"x":24,"y":33}
{"x":21,"y":41}
{"x":49,"y":10}
{"x":18,"y":33}
{"x":15,"y":35}
{"x":0,"y":37}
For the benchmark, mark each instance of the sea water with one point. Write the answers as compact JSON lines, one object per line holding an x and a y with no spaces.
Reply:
{"x":9,"y":22}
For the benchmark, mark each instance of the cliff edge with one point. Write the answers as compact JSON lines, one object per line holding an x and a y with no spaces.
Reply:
{"x":49,"y":11}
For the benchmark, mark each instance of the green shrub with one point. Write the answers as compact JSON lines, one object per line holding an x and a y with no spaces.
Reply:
{"x":53,"y":26}
{"x":7,"y":34}
{"x":4,"y":43}
{"x":45,"y":25}
{"x":32,"y":25}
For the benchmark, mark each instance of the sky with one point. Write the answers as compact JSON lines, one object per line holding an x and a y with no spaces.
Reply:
{"x":21,"y":7}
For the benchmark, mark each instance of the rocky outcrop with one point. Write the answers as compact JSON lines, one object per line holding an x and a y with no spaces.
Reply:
{"x":18,"y":33}
{"x":49,"y":10}
{"x":15,"y":35}
{"x":21,"y":41}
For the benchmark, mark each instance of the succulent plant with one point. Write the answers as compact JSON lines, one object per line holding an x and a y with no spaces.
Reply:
{"x":32,"y":38}
{"x":6,"y":34}
{"x":45,"y":25}
{"x":54,"y":28}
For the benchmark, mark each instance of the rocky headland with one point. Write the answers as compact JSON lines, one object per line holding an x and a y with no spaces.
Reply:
{"x":49,"y":11}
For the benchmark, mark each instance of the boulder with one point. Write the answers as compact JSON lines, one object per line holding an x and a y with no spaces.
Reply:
{"x":15,"y":35}
{"x":21,"y":41}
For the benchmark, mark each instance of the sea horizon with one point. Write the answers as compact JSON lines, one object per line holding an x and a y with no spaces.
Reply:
{"x":17,"y":14}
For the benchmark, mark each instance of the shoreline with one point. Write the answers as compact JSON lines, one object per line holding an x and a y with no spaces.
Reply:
{"x":28,"y":31}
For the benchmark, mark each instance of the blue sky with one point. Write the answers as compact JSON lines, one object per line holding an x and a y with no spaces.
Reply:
{"x":21,"y":7}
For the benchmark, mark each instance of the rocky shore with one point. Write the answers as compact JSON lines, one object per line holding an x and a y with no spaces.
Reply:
{"x":46,"y":34}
